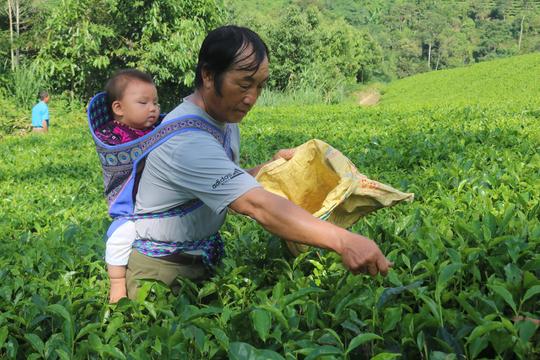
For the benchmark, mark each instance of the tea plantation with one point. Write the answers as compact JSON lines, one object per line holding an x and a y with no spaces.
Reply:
{"x":466,"y":252}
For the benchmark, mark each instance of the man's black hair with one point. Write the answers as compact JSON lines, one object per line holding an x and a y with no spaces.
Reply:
{"x":119,"y":81}
{"x":221,"y":50}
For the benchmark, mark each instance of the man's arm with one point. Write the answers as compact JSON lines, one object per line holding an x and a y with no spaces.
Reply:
{"x":288,"y":221}
{"x":45,"y":119}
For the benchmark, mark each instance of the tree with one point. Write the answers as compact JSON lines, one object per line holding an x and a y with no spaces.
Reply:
{"x":292,"y":42}
{"x":86,"y":40}
{"x":13,"y":14}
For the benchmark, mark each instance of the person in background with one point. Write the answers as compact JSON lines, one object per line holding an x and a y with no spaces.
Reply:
{"x":40,"y":113}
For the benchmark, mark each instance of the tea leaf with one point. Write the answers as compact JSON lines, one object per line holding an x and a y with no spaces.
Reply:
{"x":385,"y":356}
{"x":36,"y":342}
{"x":288,"y":299}
{"x":361,"y":339}
{"x":244,"y":351}
{"x":68,"y":327}
{"x":262,"y":321}
{"x":505,"y":294}
{"x":389,"y":293}
{"x":447,"y":272}
{"x":90,"y":328}
{"x":526,"y":330}
{"x":535,"y":290}
{"x":4,"y":332}
{"x":483,"y":329}
{"x":321,"y":351}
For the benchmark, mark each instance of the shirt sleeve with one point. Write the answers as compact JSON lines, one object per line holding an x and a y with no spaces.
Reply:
{"x":201,"y":166}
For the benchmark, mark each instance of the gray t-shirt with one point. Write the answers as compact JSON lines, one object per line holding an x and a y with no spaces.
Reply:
{"x":190,"y":165}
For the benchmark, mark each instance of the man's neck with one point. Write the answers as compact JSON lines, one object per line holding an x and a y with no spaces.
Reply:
{"x":197,"y":99}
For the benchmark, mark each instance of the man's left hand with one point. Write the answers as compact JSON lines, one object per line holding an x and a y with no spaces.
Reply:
{"x":285,"y":154}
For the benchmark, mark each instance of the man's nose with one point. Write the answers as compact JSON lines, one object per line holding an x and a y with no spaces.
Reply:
{"x":251,"y":97}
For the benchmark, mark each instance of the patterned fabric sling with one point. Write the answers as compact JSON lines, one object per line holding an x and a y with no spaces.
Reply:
{"x":122,"y":165}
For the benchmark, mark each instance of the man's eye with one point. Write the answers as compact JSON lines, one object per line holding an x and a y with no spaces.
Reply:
{"x":245,"y":87}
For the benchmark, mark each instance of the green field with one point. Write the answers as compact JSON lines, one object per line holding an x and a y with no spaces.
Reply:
{"x":512,"y":84}
{"x":466,"y":252}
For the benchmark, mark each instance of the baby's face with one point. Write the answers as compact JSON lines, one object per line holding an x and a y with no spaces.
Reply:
{"x":139,"y":106}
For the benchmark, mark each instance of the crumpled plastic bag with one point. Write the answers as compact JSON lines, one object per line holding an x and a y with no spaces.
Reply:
{"x":320,"y":179}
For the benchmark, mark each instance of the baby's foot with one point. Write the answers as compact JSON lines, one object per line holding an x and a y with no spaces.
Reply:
{"x":118,"y":290}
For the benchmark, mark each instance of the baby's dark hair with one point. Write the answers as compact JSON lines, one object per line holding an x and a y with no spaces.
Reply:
{"x":118,"y":82}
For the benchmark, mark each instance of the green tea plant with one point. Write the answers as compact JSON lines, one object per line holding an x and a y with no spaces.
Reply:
{"x":25,"y":85}
{"x":465,"y":252}
{"x":13,"y":119}
{"x":510,"y":83}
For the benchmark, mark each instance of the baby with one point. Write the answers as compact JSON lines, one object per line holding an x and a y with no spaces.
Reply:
{"x":133,"y":105}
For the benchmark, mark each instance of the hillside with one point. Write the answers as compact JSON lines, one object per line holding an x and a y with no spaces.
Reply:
{"x":512,"y":82}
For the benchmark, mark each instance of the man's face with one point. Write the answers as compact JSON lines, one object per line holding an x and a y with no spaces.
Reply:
{"x":46,"y":99}
{"x":239,"y":91}
{"x":138,"y":107}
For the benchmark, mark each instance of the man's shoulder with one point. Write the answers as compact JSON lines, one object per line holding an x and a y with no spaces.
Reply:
{"x":194,"y":142}
{"x":40,"y":106}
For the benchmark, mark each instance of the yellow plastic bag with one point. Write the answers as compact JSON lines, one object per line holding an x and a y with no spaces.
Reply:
{"x":323,"y":181}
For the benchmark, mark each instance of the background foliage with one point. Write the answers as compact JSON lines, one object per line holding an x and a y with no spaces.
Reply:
{"x":419,"y":36}
{"x":320,"y":47}
{"x":81,"y":42}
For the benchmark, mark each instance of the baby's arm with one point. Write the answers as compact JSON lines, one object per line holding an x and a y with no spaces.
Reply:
{"x":117,"y":252}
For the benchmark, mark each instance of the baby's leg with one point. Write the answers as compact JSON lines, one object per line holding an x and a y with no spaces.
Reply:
{"x":117,"y":277}
{"x":117,"y":252}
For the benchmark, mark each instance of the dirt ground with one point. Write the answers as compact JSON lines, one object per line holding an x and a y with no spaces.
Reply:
{"x":368,"y":97}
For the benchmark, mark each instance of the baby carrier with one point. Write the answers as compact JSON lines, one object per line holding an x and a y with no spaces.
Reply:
{"x":122,"y":166}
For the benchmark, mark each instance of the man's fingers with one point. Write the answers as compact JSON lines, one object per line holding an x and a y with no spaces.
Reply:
{"x":360,"y":270}
{"x":286,"y":154}
{"x":364,"y":256}
{"x":372,"y":268}
{"x":383,"y":265}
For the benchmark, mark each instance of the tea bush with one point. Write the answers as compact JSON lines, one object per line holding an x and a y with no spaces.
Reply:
{"x":465,"y":252}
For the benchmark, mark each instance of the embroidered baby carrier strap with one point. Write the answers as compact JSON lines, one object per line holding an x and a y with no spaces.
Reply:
{"x":212,"y":248}
{"x":122,"y":163}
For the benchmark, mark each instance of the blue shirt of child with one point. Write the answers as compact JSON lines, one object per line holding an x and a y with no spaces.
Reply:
{"x":40,"y":112}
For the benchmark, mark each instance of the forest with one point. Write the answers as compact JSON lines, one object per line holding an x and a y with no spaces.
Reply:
{"x":70,"y":47}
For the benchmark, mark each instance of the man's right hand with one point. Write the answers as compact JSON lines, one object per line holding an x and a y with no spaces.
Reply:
{"x":361,"y":255}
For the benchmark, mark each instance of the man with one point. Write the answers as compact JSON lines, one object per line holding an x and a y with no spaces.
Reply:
{"x":231,"y":73}
{"x":40,"y":113}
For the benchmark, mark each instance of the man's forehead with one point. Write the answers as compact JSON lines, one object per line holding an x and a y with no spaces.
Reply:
{"x":246,"y":57}
{"x":248,"y":69}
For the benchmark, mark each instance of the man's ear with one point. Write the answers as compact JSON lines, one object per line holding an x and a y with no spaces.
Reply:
{"x":116,"y":107}
{"x":208,"y":78}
